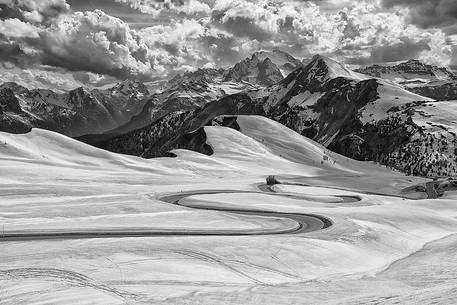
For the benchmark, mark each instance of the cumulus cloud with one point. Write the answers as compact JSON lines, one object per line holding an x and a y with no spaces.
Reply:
{"x":244,"y":18}
{"x":38,"y":77}
{"x":33,"y":10}
{"x":96,"y":42}
{"x":92,"y":41}
{"x":15,"y":28}
{"x":156,"y":7}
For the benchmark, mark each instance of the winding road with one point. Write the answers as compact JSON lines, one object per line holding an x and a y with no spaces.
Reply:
{"x":305,"y":223}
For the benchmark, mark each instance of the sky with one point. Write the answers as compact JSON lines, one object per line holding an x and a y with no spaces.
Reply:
{"x":68,"y":43}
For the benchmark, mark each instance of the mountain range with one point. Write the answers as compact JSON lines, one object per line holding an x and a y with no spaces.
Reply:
{"x":401,"y":116}
{"x":77,"y":112}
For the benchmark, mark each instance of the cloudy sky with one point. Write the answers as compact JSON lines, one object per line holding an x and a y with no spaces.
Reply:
{"x":66,"y":43}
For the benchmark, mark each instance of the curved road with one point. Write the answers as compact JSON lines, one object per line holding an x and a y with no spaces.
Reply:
{"x":304,"y":222}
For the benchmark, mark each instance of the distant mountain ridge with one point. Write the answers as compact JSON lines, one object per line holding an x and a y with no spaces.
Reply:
{"x":410,"y":73}
{"x":129,"y":105}
{"x":74,"y":113}
{"x":431,"y":81}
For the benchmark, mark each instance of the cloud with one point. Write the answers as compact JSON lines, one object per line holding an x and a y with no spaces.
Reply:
{"x":256,"y":20}
{"x":38,"y":77}
{"x":15,"y":28}
{"x":429,"y":13}
{"x":406,"y":48}
{"x":96,"y":42}
{"x":90,"y":41}
{"x":156,"y":7}
{"x":42,"y":11}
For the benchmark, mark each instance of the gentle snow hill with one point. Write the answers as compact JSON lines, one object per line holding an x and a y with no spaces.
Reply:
{"x":260,"y":147}
{"x":294,"y":147}
{"x":41,"y":145}
{"x":281,"y":141}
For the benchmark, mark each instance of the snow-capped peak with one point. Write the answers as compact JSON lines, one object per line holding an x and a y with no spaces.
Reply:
{"x":324,"y":68}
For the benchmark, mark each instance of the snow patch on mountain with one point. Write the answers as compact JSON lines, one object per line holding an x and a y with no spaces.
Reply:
{"x":389,"y":96}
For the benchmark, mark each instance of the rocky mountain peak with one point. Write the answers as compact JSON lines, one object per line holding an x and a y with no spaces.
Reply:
{"x":269,"y":73}
{"x":80,"y":98}
{"x":130,"y":88}
{"x":256,"y":70}
{"x":285,"y":62}
{"x":322,"y":69}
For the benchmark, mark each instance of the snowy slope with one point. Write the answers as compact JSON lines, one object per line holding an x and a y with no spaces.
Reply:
{"x":390,"y":96}
{"x":380,"y":248}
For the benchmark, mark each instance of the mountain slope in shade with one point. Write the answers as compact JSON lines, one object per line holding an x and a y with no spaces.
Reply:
{"x":77,"y":112}
{"x":362,"y":118}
